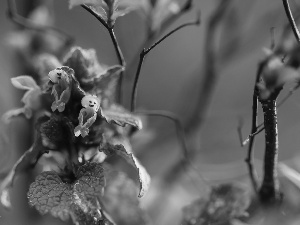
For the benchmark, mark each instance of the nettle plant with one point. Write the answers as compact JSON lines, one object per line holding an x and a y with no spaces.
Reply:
{"x":75,"y":103}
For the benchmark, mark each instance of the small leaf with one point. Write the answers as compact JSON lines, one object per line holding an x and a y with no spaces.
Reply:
{"x":121,"y":116}
{"x":144,"y":177}
{"x":24,"y":83}
{"x":28,"y":159}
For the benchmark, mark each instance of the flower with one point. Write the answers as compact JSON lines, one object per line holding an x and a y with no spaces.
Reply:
{"x":61,"y":89}
{"x":87,"y":115}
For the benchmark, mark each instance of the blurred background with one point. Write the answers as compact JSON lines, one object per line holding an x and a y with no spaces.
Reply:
{"x":171,"y":79}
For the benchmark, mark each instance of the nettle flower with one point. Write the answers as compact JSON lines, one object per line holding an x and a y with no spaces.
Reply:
{"x":274,"y":75}
{"x":31,"y":98}
{"x":87,"y":115}
{"x":61,"y":89}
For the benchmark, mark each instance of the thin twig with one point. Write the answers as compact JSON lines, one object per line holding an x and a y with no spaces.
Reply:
{"x":250,"y":154}
{"x":180,"y":134}
{"x":291,"y":19}
{"x":29,"y":24}
{"x":116,"y":45}
{"x":146,"y":51}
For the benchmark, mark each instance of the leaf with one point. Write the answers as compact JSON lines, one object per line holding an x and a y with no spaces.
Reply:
{"x":24,"y":83}
{"x":64,"y":198}
{"x":108,"y":10}
{"x":120,"y":200}
{"x":49,"y":194}
{"x":121,"y":116}
{"x":28,"y":159}
{"x":144,"y":177}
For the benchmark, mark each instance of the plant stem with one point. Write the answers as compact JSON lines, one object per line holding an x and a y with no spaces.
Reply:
{"x":291,"y":19}
{"x":146,"y":51}
{"x":269,"y":191}
{"x":116,"y":45}
{"x":121,"y":62}
{"x":250,"y":155}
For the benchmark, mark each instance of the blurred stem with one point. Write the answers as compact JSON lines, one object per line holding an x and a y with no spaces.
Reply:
{"x":210,"y":73}
{"x":27,"y":23}
{"x":269,"y":192}
{"x":291,"y":19}
{"x":146,"y":51}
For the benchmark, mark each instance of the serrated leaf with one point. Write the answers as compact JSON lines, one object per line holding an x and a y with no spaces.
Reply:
{"x":50,"y":193}
{"x":24,"y":83}
{"x":121,"y":116}
{"x":28,"y":159}
{"x":120,"y":200}
{"x":144,"y":177}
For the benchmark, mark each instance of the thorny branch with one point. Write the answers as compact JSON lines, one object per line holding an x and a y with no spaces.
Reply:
{"x":146,"y":51}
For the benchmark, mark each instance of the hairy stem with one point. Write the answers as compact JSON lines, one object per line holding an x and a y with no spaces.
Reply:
{"x":269,"y":191}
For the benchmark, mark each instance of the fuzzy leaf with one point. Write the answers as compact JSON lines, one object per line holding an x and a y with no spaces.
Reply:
{"x":50,"y":193}
{"x":120,"y":200}
{"x":144,"y":177}
{"x":28,"y":159}
{"x":121,"y":116}
{"x":24,"y":83}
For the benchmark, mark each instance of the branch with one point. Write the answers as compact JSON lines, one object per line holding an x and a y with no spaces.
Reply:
{"x":291,"y":19}
{"x":269,"y":192}
{"x":146,"y":51}
{"x":29,"y":24}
